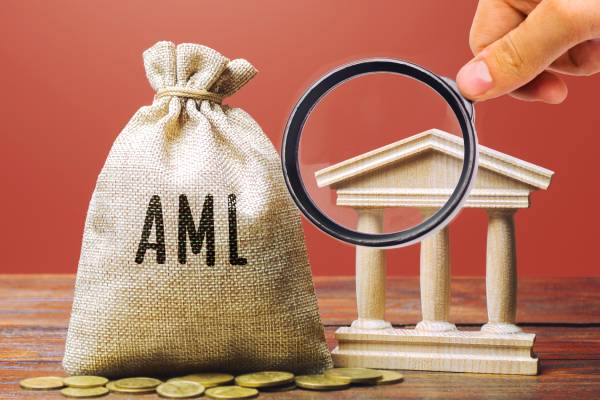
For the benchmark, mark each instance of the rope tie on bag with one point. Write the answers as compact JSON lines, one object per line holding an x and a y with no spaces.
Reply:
{"x":198,"y":94}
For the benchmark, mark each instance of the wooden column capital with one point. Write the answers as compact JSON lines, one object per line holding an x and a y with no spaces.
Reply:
{"x":501,"y":212}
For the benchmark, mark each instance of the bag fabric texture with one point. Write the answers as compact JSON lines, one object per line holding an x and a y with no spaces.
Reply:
{"x":193,"y":255}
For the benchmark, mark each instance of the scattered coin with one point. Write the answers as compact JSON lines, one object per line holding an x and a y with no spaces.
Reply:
{"x":193,"y":385}
{"x":206,"y":379}
{"x":355,"y":375}
{"x":84,"y":392}
{"x":284,"y":388}
{"x":321,"y":382}
{"x":264,"y":379}
{"x":85,"y":381}
{"x":114,"y":388}
{"x":231,"y":392}
{"x":180,"y":389}
{"x":137,"y":383}
{"x":389,"y":377}
{"x":42,"y":383}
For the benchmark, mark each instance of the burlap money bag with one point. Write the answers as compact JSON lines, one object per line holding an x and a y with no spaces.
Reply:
{"x":193,"y":256}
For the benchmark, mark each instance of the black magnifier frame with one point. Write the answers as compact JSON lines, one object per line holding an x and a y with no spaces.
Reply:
{"x":463,"y":109}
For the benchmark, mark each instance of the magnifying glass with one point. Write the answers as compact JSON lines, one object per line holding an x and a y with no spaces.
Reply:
{"x":380,"y":152}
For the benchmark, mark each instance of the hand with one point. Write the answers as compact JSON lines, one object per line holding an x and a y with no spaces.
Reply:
{"x":521,"y":45}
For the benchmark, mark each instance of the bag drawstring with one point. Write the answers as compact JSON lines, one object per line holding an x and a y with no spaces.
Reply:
{"x":198,"y":94}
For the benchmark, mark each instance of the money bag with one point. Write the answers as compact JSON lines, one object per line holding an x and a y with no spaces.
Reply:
{"x":193,"y":255}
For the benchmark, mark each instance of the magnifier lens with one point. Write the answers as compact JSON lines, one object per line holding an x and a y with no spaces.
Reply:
{"x":380,"y":153}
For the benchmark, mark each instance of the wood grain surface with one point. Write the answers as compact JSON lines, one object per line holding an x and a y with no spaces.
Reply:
{"x":564,"y":313}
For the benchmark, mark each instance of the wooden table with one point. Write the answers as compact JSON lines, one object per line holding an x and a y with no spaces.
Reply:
{"x":565,"y":314}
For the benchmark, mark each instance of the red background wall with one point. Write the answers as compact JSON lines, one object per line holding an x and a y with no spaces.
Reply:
{"x":72,"y":75}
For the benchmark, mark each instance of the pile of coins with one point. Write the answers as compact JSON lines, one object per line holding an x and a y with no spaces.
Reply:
{"x":214,"y":385}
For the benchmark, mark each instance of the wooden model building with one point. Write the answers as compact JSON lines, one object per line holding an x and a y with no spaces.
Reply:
{"x":421,"y":171}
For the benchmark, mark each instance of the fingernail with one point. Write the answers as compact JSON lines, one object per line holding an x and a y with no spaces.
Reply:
{"x":474,"y":79}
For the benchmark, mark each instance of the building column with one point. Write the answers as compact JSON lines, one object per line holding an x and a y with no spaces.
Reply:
{"x":501,"y":272}
{"x":370,"y":274}
{"x":435,"y":281}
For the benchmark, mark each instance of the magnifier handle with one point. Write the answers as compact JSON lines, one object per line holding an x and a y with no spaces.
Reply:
{"x":469,"y":105}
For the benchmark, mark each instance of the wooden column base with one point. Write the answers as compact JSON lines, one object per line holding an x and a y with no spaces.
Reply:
{"x":363,"y":323}
{"x":453,"y":351}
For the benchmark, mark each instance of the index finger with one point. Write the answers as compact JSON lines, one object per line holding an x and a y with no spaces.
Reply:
{"x":495,"y":18}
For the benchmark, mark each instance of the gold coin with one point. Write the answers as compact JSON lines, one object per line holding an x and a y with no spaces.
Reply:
{"x":114,"y":388}
{"x":285,"y":388}
{"x":354,"y":375}
{"x":85,"y":381}
{"x":84,"y":392}
{"x":321,"y":382}
{"x":137,"y":383}
{"x":206,"y":379}
{"x":42,"y":383}
{"x":180,"y":389}
{"x":231,"y":392}
{"x":389,"y":377}
{"x":264,"y":379}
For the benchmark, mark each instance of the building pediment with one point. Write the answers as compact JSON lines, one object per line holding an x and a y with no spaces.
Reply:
{"x":422,"y":170}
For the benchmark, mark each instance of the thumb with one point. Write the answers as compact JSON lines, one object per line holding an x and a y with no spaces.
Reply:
{"x":518,"y":57}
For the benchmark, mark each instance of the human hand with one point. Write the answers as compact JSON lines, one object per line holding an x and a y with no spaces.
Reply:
{"x":521,"y":45}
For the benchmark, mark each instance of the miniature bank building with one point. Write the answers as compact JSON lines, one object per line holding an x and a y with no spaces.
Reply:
{"x":401,"y":175}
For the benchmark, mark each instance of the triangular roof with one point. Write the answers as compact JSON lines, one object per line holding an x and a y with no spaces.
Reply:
{"x":438,"y":140}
